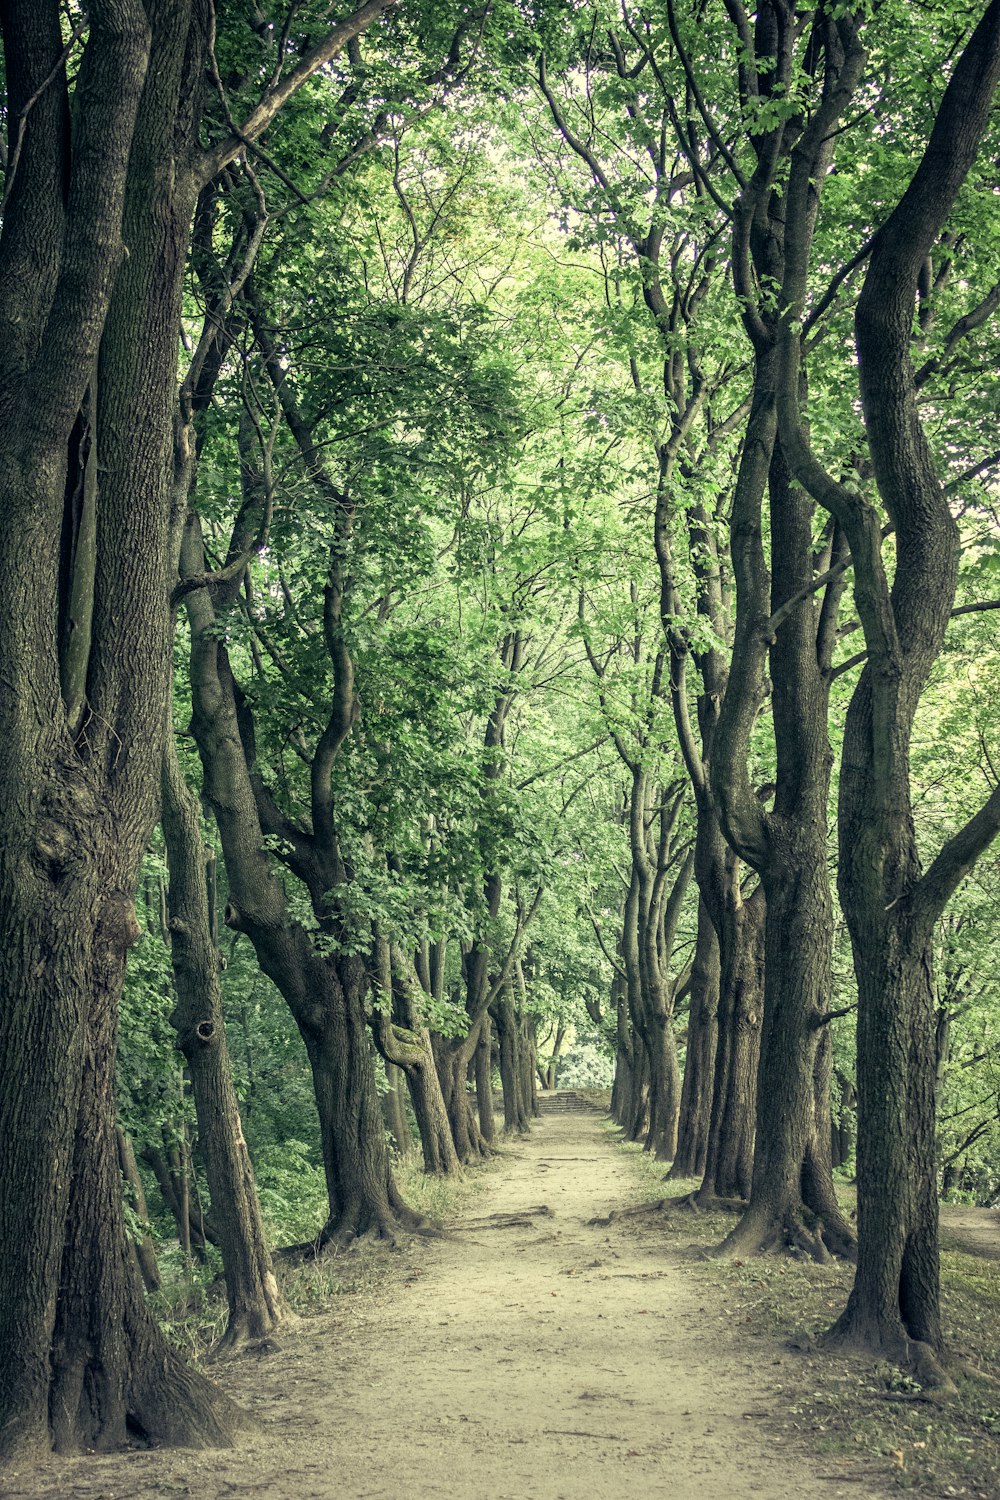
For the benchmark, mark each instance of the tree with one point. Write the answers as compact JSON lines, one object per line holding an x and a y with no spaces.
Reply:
{"x":891,"y":906}
{"x":86,"y":394}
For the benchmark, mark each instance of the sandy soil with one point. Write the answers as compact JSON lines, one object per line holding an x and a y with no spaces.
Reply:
{"x":535,"y":1356}
{"x":974,"y":1231}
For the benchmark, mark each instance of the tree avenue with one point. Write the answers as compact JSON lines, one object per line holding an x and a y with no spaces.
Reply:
{"x":500,"y":534}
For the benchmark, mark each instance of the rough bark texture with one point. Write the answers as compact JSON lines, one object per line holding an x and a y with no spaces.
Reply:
{"x":733,"y":1119}
{"x":784,"y":632}
{"x":85,"y":1361}
{"x":84,"y":654}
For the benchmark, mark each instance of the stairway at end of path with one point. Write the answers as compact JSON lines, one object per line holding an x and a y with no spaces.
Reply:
{"x":560,"y":1101}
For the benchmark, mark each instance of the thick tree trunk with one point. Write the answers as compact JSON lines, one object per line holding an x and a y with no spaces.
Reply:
{"x":730,"y":1153}
{"x":636,"y":1123}
{"x":104,"y":1385}
{"x":255,"y":1305}
{"x":894,"y":1306}
{"x":83,"y":1358}
{"x":699,"y":1062}
{"x":436,"y":1140}
{"x":665,"y":1089}
{"x":362,"y":1194}
{"x":889,"y":904}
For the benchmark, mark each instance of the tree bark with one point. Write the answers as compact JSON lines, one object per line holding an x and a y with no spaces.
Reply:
{"x":889,"y":904}
{"x":733,"y":1117}
{"x":255,"y":1304}
{"x":85,"y":1359}
{"x":699,"y":1062}
{"x":324,"y":993}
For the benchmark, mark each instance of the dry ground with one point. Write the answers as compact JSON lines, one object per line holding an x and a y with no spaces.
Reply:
{"x":531,"y":1356}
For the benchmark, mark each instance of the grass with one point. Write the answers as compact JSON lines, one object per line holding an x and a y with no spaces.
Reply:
{"x":848,"y":1408}
{"x":191,"y":1304}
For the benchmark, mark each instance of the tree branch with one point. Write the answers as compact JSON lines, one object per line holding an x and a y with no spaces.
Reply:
{"x":275,"y":98}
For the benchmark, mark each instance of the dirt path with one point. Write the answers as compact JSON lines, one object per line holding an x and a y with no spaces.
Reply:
{"x":548,"y":1360}
{"x":973,"y":1231}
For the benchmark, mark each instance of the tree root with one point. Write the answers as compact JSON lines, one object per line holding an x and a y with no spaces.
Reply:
{"x":351,"y":1230}
{"x":523,"y":1219}
{"x":928,"y":1366}
{"x":249,"y":1336}
{"x":642,"y":1211}
{"x":798,"y":1231}
{"x":696,"y":1204}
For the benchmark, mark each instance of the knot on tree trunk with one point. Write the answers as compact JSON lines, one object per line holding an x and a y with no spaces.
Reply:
{"x":205,"y":1031}
{"x":117,"y":927}
{"x":232,"y":918}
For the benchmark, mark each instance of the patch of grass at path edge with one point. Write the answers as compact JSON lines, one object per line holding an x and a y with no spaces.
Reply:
{"x":844,"y":1409}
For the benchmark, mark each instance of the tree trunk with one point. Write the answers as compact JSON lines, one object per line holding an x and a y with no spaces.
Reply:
{"x":792,"y":1144}
{"x":324,"y":993}
{"x":395,"y":1112}
{"x":621,"y":1089}
{"x":889,"y":904}
{"x":895,"y":1302}
{"x":454,"y":1058}
{"x":362,"y":1195}
{"x":436,"y":1140}
{"x":513,"y":1073}
{"x":484,"y":1081}
{"x":729,"y":1164}
{"x":255,"y":1305}
{"x":145,"y":1251}
{"x":699,"y":1063}
{"x":104,"y":1385}
{"x":84,"y":1359}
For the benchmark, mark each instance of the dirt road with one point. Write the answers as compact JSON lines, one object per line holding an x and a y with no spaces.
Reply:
{"x":529,"y":1357}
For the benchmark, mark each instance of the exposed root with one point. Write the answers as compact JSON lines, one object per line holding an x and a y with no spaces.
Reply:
{"x":925,"y":1364}
{"x":642,"y":1211}
{"x":695,"y":1203}
{"x":351,"y":1230}
{"x":798,"y":1231}
{"x":520,"y":1220}
{"x":245,"y":1336}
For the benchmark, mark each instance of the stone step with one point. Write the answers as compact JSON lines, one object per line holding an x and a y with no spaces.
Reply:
{"x":561,"y":1101}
